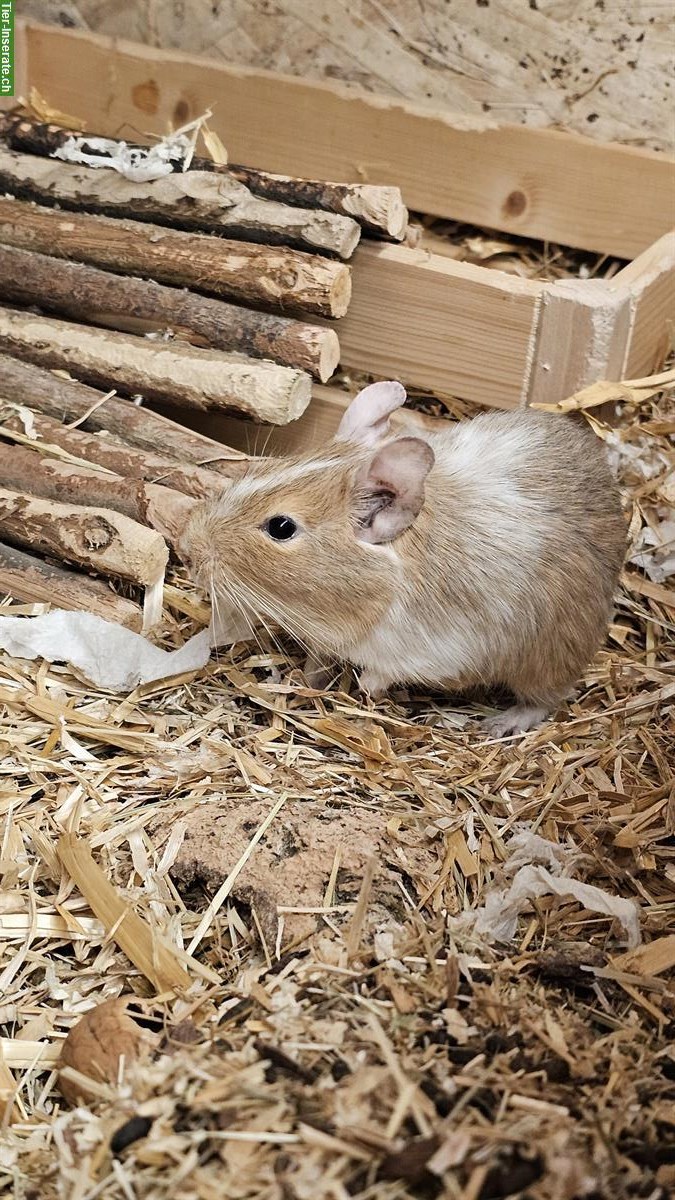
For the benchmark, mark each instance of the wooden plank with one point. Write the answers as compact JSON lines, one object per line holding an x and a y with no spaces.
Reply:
{"x":539,"y":183}
{"x":583,"y":336}
{"x":605,"y":329}
{"x":452,"y":327}
{"x":314,"y":429}
{"x":653,"y":959}
{"x":650,"y":283}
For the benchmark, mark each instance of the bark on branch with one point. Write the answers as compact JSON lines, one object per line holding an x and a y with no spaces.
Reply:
{"x":65,"y":399}
{"x":271,"y":276}
{"x":48,"y":435}
{"x":165,"y":371}
{"x":199,"y":200}
{"x":160,"y":508}
{"x":378,"y":209}
{"x":139,"y":305}
{"x":96,"y":538}
{"x":34,"y":581}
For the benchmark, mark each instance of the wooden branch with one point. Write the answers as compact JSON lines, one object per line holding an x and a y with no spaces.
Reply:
{"x":164,"y":371}
{"x":50,"y":436}
{"x":510,"y":177}
{"x":35,"y":581}
{"x":198,"y":200}
{"x":24,"y":470}
{"x":96,"y":538}
{"x":139,"y":305}
{"x":379,"y":210}
{"x":161,"y":508}
{"x":66,"y":399}
{"x":272,"y":276}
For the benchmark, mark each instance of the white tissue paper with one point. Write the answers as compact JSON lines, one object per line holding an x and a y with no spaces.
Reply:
{"x":654,"y":549}
{"x":133,"y":162}
{"x":109,"y":655}
{"x":497,"y":919}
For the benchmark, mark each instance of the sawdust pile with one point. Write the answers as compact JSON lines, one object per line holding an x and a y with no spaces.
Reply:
{"x":414,"y":963}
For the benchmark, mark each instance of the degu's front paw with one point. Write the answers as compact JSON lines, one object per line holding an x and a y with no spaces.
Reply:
{"x":317,"y":674}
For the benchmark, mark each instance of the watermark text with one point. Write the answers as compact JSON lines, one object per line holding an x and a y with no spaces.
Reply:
{"x":6,"y":47}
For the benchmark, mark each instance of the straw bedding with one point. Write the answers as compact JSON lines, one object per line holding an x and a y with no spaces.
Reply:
{"x":328,"y":877}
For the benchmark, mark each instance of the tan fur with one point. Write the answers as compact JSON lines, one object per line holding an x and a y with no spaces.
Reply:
{"x":505,"y":576}
{"x":325,"y":588}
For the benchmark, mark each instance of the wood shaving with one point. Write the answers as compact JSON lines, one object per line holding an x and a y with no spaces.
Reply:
{"x":339,"y":1031}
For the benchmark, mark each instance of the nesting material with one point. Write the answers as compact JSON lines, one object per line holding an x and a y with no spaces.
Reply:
{"x":342,"y":1017}
{"x":108,"y":655}
{"x":528,"y":877}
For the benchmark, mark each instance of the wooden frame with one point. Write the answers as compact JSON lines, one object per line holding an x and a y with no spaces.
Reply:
{"x":451,"y":327}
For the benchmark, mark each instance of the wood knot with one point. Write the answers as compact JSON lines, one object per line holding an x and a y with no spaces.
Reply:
{"x":181,"y":112}
{"x":515,"y":204}
{"x":146,"y":96}
{"x":97,"y":534}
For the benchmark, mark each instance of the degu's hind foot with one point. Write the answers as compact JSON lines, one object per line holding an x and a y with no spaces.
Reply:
{"x":520,"y":718}
{"x":318,"y":674}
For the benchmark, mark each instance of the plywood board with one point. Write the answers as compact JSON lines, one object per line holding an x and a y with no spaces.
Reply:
{"x":535,"y":182}
{"x":544,"y":63}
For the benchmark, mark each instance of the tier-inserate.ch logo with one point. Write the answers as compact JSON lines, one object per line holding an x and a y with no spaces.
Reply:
{"x":6,"y":47}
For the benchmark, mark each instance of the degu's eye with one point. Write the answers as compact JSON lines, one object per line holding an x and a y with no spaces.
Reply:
{"x":281,"y":529}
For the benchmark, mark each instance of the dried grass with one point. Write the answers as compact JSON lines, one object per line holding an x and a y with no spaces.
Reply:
{"x":526,"y":257}
{"x":350,"y":1035}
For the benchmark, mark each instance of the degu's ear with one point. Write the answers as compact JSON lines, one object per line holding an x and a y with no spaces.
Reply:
{"x":389,"y":491}
{"x":366,"y":421}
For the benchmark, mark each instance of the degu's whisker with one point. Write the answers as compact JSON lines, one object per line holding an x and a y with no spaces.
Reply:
{"x":258,"y":607}
{"x":226,"y":587}
{"x":277,"y":613}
